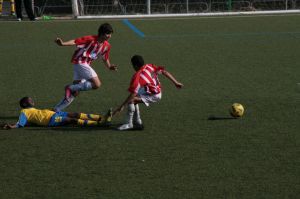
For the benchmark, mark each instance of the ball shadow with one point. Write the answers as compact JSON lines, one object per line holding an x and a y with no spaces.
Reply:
{"x":212,"y":117}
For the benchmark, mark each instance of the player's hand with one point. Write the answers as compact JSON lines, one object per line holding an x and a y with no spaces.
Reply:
{"x":7,"y":127}
{"x":118,"y":110}
{"x":113,"y":67}
{"x":179,"y":85}
{"x":59,"y":41}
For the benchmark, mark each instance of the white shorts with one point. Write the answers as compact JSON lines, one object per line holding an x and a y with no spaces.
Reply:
{"x":147,"y":99}
{"x":83,"y":71}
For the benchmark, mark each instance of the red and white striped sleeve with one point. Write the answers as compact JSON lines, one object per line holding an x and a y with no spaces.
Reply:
{"x":135,"y":83}
{"x":106,"y":51}
{"x":157,"y":69}
{"x":84,"y":40}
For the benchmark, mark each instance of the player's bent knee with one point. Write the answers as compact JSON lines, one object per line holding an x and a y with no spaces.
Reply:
{"x":73,"y":115}
{"x":136,"y":100}
{"x":71,"y":121}
{"x":96,"y":85}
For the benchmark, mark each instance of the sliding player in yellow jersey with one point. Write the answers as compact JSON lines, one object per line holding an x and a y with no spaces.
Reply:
{"x":45,"y":117}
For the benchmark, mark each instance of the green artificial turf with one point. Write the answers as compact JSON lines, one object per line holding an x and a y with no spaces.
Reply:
{"x":191,"y":147}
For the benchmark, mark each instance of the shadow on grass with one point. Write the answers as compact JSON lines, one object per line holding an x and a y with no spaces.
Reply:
{"x":220,"y":118}
{"x":66,"y":128}
{"x":73,"y":128}
{"x":70,"y":128}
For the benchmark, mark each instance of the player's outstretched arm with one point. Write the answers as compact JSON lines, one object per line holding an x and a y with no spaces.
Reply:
{"x":60,"y":42}
{"x":172,"y":78}
{"x":10,"y":126}
{"x":130,"y":98}
{"x":110,"y":66}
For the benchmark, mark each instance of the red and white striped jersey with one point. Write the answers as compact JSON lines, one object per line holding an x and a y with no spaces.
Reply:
{"x":147,"y":79}
{"x":89,"y":49}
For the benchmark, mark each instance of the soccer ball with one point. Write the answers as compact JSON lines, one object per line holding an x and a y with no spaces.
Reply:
{"x":236,"y":110}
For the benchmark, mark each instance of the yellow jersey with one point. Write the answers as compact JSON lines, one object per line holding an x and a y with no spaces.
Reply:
{"x":35,"y":116}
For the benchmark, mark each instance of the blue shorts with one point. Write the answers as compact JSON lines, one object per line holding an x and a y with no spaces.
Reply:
{"x":58,"y":119}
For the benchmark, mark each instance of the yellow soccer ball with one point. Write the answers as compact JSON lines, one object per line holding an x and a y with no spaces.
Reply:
{"x":237,"y":110}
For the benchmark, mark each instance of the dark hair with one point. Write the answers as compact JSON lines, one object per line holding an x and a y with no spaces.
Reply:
{"x":24,"y":102}
{"x":105,"y":29}
{"x":137,"y":61}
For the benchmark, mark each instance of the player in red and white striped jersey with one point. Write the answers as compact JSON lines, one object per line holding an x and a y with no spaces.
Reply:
{"x":89,"y":48}
{"x":144,"y":88}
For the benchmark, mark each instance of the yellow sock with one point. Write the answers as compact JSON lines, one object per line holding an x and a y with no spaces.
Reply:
{"x":1,"y":1}
{"x":12,"y":6}
{"x":81,"y":122}
{"x":94,"y":117}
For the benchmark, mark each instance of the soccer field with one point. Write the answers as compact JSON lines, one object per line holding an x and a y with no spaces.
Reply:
{"x":191,"y":147}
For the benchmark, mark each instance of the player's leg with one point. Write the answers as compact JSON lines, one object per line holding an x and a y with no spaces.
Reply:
{"x":12,"y":7}
{"x":137,"y":121}
{"x":87,"y":122}
{"x":1,"y":4}
{"x":69,"y":96}
{"x":102,"y":121}
{"x":87,"y":73}
{"x":89,"y":84}
{"x":19,"y":9}
{"x":85,"y":78}
{"x":72,"y":91}
{"x":84,"y":116}
{"x":62,"y":119}
{"x":96,"y":83}
{"x":29,"y":9}
{"x":131,"y":109}
{"x":64,"y":103}
{"x":79,"y":122}
{"x":72,"y":94}
{"x":107,"y":118}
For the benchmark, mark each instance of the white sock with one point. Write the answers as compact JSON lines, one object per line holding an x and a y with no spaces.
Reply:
{"x":83,"y":86}
{"x":63,"y":104}
{"x":130,"y":113}
{"x":137,"y":115}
